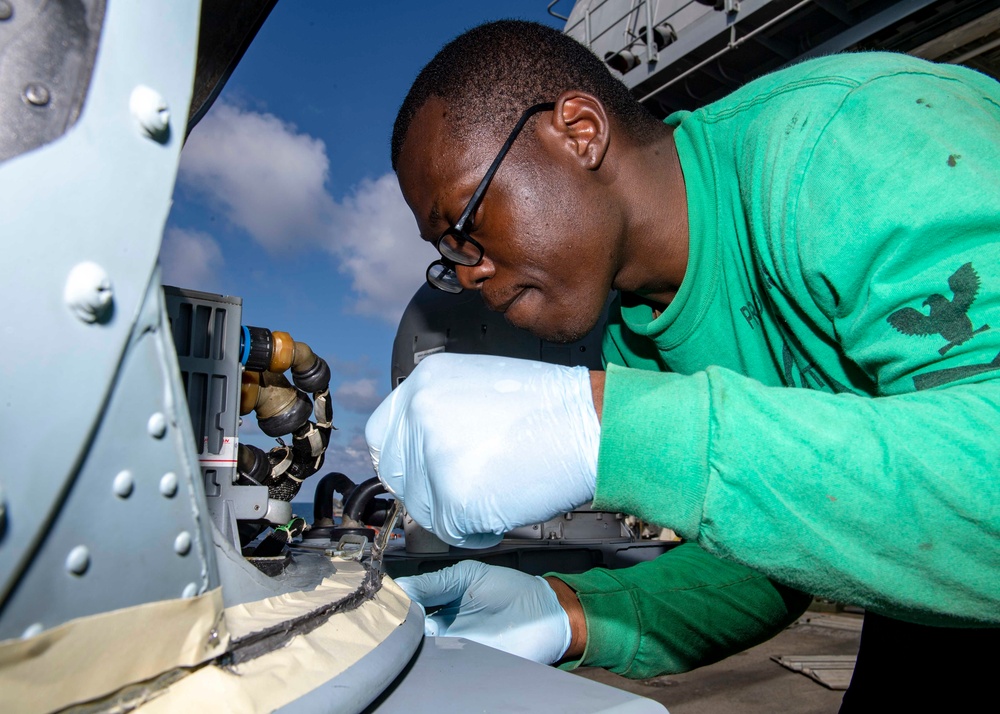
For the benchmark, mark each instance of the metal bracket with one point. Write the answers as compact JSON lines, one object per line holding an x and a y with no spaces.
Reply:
{"x":350,"y":547}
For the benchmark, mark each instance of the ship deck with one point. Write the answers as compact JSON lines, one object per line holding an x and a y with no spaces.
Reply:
{"x":752,"y":682}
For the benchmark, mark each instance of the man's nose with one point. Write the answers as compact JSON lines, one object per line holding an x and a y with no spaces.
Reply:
{"x":473,"y":277}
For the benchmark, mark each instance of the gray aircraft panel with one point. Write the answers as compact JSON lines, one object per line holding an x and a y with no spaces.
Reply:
{"x":458,"y":675}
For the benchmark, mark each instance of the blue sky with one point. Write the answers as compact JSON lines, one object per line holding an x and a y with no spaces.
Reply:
{"x":285,"y":196}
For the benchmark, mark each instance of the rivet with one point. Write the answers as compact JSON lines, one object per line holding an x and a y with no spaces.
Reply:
{"x":168,"y":484}
{"x":123,"y":484}
{"x":213,"y":637}
{"x":6,"y":11}
{"x":78,"y":560}
{"x":150,"y":109}
{"x":36,"y":94}
{"x":182,"y":543}
{"x":157,"y":425}
{"x":32,"y":631}
{"x":88,"y":292}
{"x":190,"y":590}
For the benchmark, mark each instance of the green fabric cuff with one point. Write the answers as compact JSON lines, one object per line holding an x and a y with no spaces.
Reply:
{"x":653,"y":460}
{"x":613,"y":622}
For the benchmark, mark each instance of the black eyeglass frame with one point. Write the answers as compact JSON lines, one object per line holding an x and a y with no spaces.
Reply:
{"x":446,"y":278}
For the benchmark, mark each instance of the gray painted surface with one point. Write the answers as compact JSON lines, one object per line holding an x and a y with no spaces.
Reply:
{"x":206,"y":330}
{"x":359,"y":684}
{"x":99,"y":194}
{"x":118,"y":538}
{"x":456,"y":675}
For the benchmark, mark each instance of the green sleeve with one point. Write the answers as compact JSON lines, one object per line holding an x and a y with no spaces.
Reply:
{"x":888,"y":501}
{"x":682,"y":610}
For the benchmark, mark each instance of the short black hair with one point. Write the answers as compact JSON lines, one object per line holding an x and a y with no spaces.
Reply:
{"x":493,"y":72}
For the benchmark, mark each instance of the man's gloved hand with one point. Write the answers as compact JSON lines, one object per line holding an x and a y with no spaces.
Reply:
{"x":477,"y":445}
{"x":499,"y":607}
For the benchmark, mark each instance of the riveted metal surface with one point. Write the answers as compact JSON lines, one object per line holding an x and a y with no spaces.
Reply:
{"x":47,"y":52}
{"x":101,"y":193}
{"x":101,"y":551}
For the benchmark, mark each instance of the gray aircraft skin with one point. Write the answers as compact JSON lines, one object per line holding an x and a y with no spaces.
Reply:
{"x":126,"y":512}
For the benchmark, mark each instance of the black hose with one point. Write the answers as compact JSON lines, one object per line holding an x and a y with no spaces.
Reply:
{"x":333,"y":482}
{"x":355,"y":505}
{"x":314,"y":378}
{"x":252,"y":465}
{"x":377,"y":512}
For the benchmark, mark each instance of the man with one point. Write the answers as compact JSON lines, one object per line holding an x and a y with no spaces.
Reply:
{"x":802,"y":377}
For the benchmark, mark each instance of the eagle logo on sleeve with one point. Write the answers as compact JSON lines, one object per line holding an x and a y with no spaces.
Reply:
{"x":947,"y":318}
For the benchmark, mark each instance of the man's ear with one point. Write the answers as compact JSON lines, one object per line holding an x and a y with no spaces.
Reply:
{"x":582,"y":122}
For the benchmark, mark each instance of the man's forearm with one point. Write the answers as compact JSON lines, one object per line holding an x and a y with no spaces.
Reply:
{"x":577,"y":621}
{"x":597,"y":389}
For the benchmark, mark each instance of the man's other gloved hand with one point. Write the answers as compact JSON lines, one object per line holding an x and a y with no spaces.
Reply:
{"x":499,"y":607}
{"x":477,"y":445}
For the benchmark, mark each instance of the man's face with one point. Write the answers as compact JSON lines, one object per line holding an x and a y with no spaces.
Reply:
{"x":546,"y":234}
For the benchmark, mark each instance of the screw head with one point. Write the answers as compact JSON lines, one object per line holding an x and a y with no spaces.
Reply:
{"x":151,"y":111}
{"x":78,"y":560}
{"x":123,"y":484}
{"x":213,"y":637}
{"x":182,"y":543}
{"x":88,"y":292}
{"x":37,"y":94}
{"x":190,"y":590}
{"x":157,"y":425}
{"x":6,"y":11}
{"x":168,"y":484}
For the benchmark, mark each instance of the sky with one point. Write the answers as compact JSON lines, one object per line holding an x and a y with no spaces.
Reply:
{"x":285,"y":196}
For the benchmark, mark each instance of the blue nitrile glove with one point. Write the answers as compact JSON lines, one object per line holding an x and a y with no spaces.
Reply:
{"x":477,"y":445}
{"x":500,"y":607}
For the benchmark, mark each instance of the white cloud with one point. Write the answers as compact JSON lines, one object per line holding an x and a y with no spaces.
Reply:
{"x":265,"y":176}
{"x":377,"y":243}
{"x":190,"y":259}
{"x":270,"y":180}
{"x":354,"y":459}
{"x":359,"y":396}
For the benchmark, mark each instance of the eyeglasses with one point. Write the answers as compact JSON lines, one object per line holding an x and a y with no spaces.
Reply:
{"x":455,"y":245}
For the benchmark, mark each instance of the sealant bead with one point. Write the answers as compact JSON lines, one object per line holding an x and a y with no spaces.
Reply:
{"x":6,"y":11}
{"x":190,"y":590}
{"x":78,"y":560}
{"x":32,"y":630}
{"x":168,"y":484}
{"x":157,"y":425}
{"x":123,"y":484}
{"x":36,"y":94}
{"x":182,"y":543}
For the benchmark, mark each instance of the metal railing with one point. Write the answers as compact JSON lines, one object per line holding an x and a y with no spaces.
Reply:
{"x":643,"y":33}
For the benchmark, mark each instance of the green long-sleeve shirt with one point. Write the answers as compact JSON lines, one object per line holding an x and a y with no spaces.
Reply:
{"x":821,"y":401}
